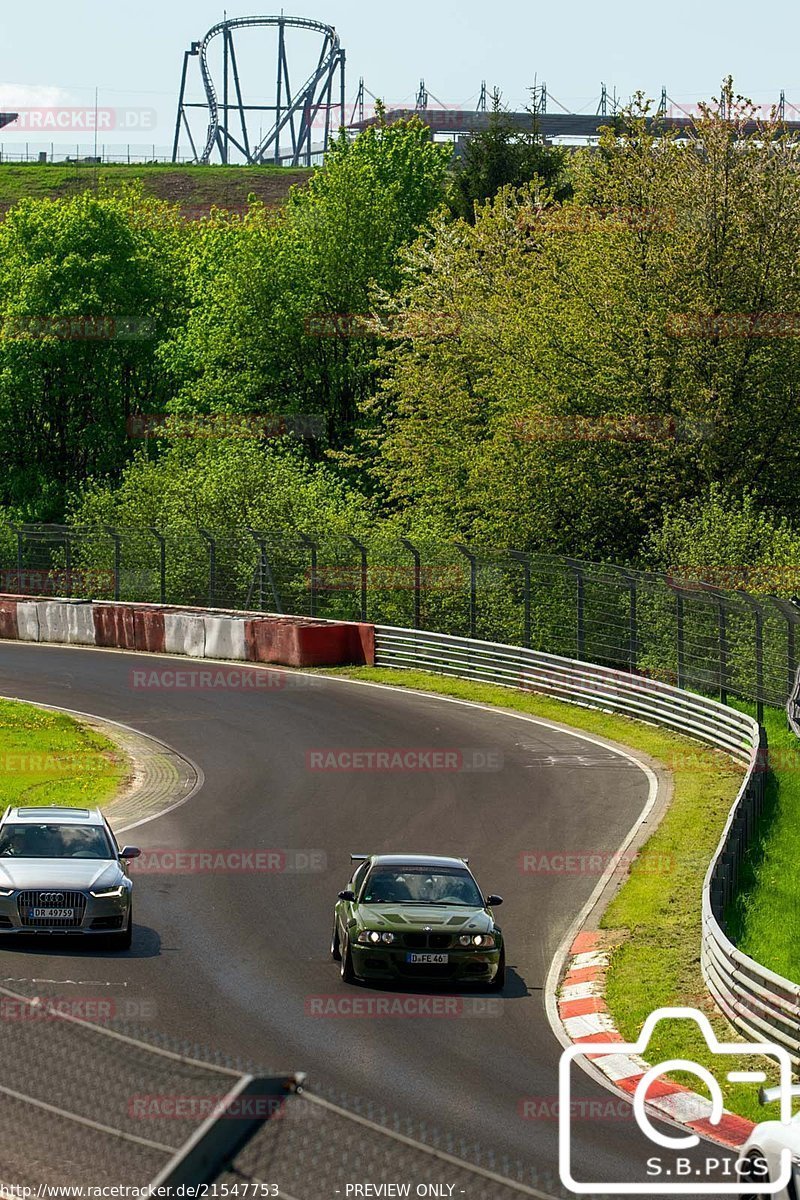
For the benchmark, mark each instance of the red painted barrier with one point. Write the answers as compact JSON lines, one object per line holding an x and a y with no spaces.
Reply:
{"x":294,"y":642}
{"x":8,"y":619}
{"x":114,"y":625}
{"x":149,"y":629}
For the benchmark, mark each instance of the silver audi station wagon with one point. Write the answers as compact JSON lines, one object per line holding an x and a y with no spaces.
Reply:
{"x":62,"y":873}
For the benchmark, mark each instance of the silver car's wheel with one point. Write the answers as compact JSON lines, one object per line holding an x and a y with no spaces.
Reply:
{"x":122,"y":941}
{"x":754,"y":1169}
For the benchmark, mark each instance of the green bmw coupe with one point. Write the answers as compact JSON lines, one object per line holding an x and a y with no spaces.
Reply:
{"x":417,"y":917}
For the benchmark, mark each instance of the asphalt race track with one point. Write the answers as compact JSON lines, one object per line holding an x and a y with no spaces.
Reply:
{"x":237,"y":960}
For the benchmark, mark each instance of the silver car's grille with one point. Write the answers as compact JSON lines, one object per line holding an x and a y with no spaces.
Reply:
{"x":52,"y":898}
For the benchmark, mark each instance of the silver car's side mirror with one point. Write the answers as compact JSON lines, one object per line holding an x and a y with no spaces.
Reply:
{"x":493,"y":901}
{"x":130,"y":852}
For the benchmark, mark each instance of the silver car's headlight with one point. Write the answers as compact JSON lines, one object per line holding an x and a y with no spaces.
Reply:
{"x":108,"y":893}
{"x":6,"y":892}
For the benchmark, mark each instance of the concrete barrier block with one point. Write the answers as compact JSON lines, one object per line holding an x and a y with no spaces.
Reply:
{"x":27,"y":621}
{"x":64,"y":621}
{"x":184,"y":633}
{"x":149,"y":631}
{"x":8,"y":620}
{"x":225,"y":638}
{"x":114,"y":625}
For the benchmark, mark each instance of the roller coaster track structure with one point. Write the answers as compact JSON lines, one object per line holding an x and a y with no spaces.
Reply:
{"x":294,"y":113}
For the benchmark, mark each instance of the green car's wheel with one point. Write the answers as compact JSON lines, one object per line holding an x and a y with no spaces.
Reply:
{"x":346,"y":970}
{"x":336,"y":953}
{"x":499,"y":981}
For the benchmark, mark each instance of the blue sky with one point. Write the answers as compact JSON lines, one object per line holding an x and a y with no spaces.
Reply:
{"x":58,"y":51}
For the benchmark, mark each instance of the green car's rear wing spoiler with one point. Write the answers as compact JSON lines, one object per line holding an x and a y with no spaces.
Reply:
{"x":359,"y":857}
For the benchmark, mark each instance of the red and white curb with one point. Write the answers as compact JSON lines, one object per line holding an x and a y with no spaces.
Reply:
{"x":585,"y":1017}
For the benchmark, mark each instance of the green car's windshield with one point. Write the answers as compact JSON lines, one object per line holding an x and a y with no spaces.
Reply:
{"x":420,"y":885}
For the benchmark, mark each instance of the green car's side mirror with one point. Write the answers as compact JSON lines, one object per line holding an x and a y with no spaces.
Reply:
{"x":347,"y":895}
{"x":493,"y":901}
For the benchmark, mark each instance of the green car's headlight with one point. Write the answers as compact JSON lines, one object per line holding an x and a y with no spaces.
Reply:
{"x":483,"y":940}
{"x":371,"y":937}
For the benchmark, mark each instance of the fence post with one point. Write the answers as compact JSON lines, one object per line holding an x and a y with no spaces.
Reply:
{"x":758,"y":617}
{"x":580,"y":608}
{"x":264,"y":570}
{"x":162,"y":544}
{"x":790,"y":611}
{"x":417,"y":579}
{"x":723,"y":650}
{"x":362,"y":549}
{"x":20,"y":543}
{"x":114,"y":535}
{"x":679,"y":631}
{"x":212,"y":565}
{"x":68,"y":563}
{"x":312,"y":546}
{"x":525,"y":562}
{"x":473,"y":588}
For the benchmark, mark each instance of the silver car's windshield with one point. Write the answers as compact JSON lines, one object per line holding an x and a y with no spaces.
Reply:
{"x":420,"y":885}
{"x":54,"y":841}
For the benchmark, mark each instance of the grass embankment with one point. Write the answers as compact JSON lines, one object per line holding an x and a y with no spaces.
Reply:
{"x":50,"y":758}
{"x":653,"y":924}
{"x":764,"y":920}
{"x":195,"y":188}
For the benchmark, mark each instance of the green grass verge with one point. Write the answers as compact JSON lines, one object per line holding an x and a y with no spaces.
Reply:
{"x":50,"y":758}
{"x":653,"y":924}
{"x":764,"y":919}
{"x":194,"y":187}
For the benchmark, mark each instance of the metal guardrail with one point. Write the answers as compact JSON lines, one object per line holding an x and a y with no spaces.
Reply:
{"x":793,"y":706}
{"x":758,"y":1002}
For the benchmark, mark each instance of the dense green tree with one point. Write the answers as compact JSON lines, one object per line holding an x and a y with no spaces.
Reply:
{"x":88,"y":288}
{"x":504,"y":154}
{"x":279,"y":300}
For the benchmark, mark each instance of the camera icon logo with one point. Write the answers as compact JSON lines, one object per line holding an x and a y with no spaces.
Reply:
{"x":673,"y":1167}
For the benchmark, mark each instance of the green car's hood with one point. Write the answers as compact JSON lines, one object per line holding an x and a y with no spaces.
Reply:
{"x":410,"y":918}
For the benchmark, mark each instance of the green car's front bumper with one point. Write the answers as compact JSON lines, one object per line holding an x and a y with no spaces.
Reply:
{"x":463,"y":965}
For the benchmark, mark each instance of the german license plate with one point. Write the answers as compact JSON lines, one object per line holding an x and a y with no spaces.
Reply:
{"x":431,"y":959}
{"x":51,"y":914}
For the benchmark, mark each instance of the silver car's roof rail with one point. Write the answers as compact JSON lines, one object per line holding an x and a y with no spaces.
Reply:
{"x":768,"y":1095}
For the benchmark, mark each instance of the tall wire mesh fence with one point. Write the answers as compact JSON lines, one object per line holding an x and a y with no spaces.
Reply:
{"x":678,"y":628}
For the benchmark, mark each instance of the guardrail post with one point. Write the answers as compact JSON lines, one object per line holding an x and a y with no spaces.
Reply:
{"x":417,"y":578}
{"x":723,"y":650}
{"x":362,"y":549}
{"x":312,"y":546}
{"x":212,"y":565}
{"x":473,"y":588}
{"x":525,"y":562}
{"x":114,"y":535}
{"x":162,"y":545}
